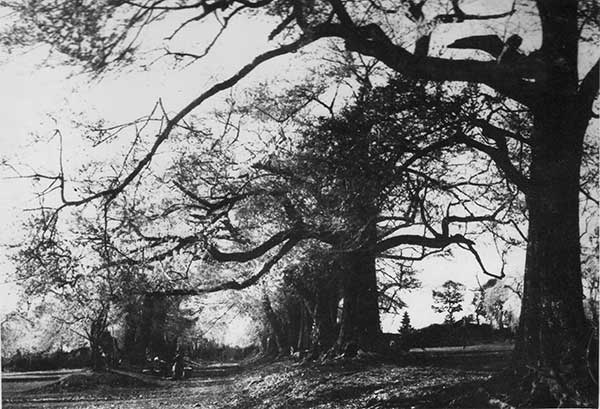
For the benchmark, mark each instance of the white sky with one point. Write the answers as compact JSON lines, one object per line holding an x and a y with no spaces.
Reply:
{"x":35,"y":99}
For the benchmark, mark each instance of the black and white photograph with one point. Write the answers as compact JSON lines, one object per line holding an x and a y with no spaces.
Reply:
{"x":306,"y":204}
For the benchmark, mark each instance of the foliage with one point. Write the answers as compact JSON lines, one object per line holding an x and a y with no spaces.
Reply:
{"x":496,"y":304}
{"x":48,"y":267}
{"x":45,"y":361}
{"x":33,"y":328}
{"x":458,"y":334}
{"x":153,"y":327}
{"x":478,"y":302}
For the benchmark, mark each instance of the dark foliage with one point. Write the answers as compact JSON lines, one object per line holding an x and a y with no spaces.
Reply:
{"x":456,"y":334}
{"x":40,"y":361}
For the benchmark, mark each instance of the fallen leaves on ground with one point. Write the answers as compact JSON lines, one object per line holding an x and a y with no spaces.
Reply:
{"x":353,"y":385}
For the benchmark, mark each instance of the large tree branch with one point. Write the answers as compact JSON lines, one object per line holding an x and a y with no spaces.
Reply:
{"x":211,"y":206}
{"x":178,"y":244}
{"x":425,"y":151}
{"x":473,"y":251}
{"x":417,"y":240}
{"x":372,"y":41}
{"x":243,"y":256}
{"x":467,"y":219}
{"x":506,"y":79}
{"x":501,"y":160}
{"x":498,"y":134}
{"x":441,"y":241}
{"x":459,"y":15}
{"x":233,"y":284}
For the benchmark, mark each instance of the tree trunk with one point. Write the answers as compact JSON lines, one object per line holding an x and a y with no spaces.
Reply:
{"x":293,"y":311}
{"x":98,"y":327}
{"x":359,"y":325}
{"x":323,"y":336}
{"x":360,"y":312}
{"x":303,"y":330}
{"x":96,"y":355}
{"x":552,"y":329}
{"x":278,"y":332}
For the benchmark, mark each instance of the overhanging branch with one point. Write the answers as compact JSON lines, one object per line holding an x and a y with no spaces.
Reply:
{"x":371,"y":40}
{"x":501,"y":160}
{"x":417,"y":240}
{"x":233,"y":284}
{"x":111,"y":193}
{"x":243,"y":256}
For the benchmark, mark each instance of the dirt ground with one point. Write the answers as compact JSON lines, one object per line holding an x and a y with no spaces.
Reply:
{"x":193,"y":393}
{"x":423,"y":380}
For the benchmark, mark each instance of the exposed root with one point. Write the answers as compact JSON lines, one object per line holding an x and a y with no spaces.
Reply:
{"x":533,"y":388}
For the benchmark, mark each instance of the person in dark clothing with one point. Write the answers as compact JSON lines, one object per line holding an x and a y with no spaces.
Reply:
{"x":178,"y":366}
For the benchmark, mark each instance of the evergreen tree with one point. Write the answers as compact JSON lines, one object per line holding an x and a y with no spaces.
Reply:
{"x":405,"y":327}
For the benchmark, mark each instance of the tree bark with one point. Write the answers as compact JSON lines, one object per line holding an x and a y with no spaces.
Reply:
{"x":96,"y":355}
{"x":552,"y":330}
{"x":324,"y":317}
{"x":360,"y":312}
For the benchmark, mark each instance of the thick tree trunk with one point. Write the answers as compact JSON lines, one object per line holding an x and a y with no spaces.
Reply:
{"x":552,"y":331}
{"x":360,"y":312}
{"x":360,"y":325}
{"x":96,"y":355}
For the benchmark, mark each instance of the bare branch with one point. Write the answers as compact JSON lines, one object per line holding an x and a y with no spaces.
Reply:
{"x":110,"y":193}
{"x":589,"y":196}
{"x":471,"y":248}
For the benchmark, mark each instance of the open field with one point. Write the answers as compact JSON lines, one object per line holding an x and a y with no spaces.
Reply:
{"x":498,"y":347}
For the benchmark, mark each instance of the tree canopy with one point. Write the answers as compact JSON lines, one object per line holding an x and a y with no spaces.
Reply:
{"x":449,"y":299}
{"x":525,"y":132}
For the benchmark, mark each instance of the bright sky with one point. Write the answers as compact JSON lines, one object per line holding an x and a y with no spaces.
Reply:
{"x":36,"y":99}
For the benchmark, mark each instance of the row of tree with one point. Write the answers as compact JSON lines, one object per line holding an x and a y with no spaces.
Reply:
{"x":415,"y":166}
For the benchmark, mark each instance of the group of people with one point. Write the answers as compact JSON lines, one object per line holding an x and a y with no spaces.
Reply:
{"x":177,"y":370}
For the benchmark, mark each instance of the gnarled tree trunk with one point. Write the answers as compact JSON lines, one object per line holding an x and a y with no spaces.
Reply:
{"x":360,"y":314}
{"x":360,"y":324}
